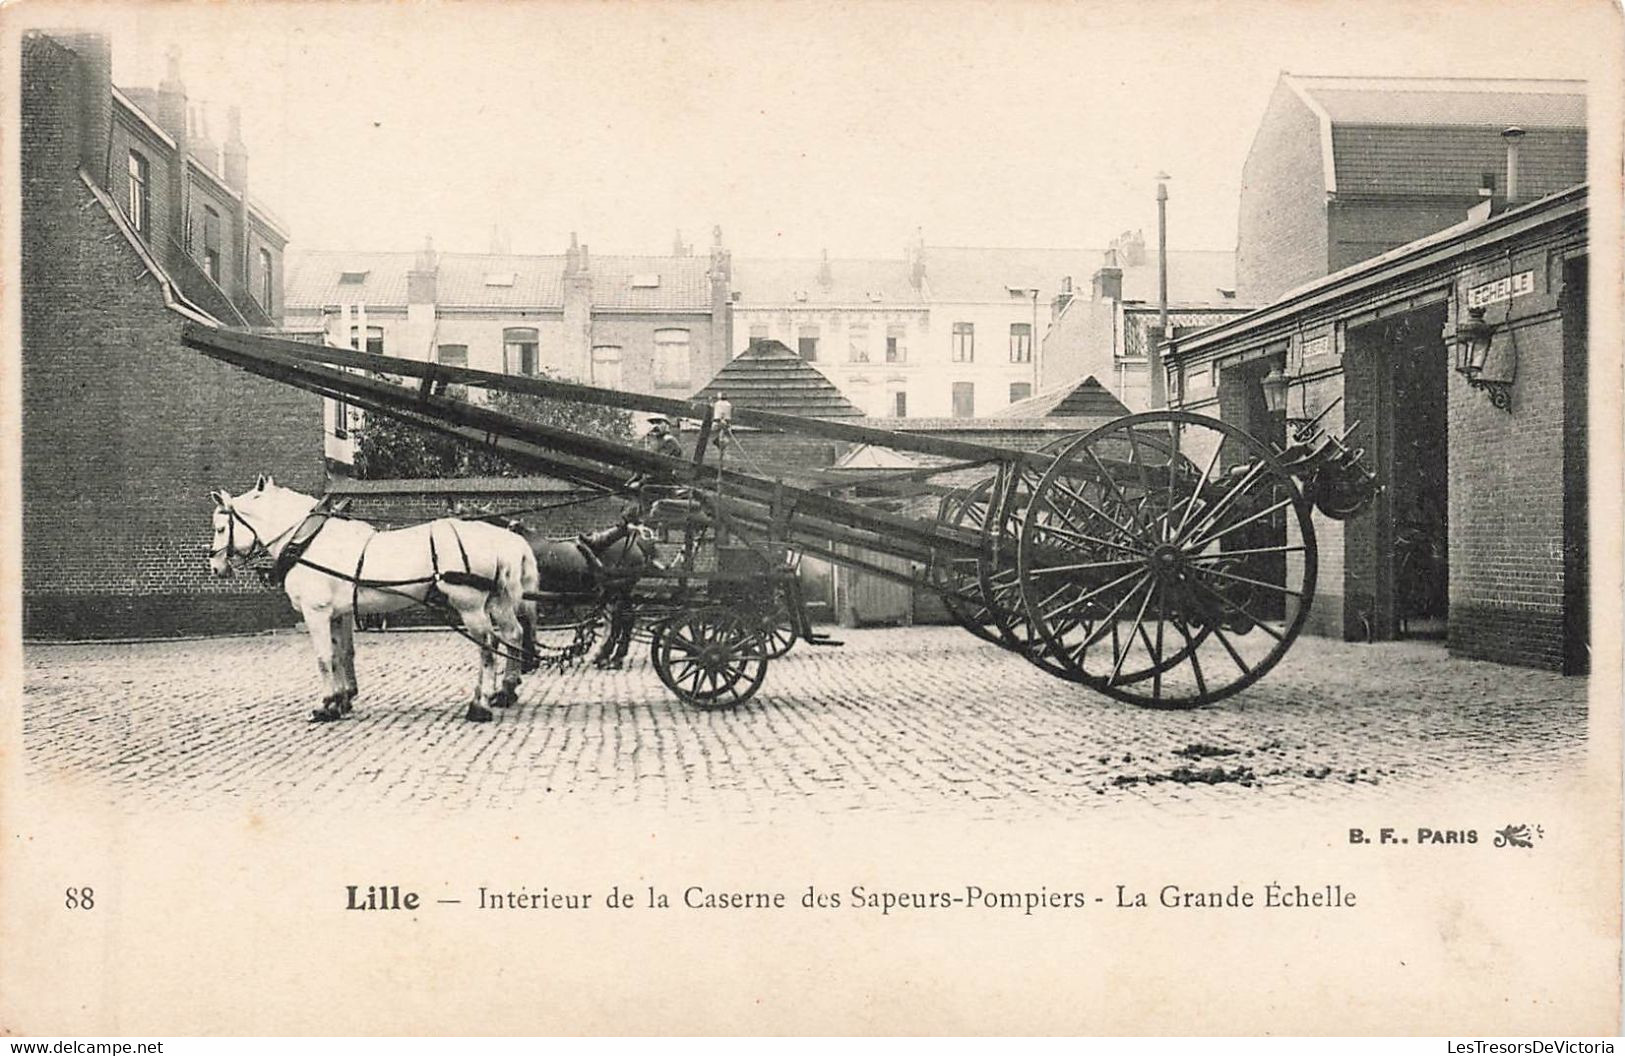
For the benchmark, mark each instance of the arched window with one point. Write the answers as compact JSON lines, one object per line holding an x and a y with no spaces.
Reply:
{"x":519,"y":350}
{"x":671,"y":358}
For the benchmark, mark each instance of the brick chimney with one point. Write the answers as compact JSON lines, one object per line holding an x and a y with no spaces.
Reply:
{"x":422,"y":295}
{"x":577,"y":351}
{"x":173,"y":116}
{"x":916,"y":259}
{"x":203,"y":146}
{"x":722,"y":310}
{"x":1108,"y":280}
{"x":1062,"y":298}
{"x":235,"y":173}
{"x":95,"y":100}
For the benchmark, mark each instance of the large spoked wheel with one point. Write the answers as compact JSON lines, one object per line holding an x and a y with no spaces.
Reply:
{"x":710,"y":658}
{"x":1167,"y":559}
{"x":959,"y":578}
{"x":999,"y":574}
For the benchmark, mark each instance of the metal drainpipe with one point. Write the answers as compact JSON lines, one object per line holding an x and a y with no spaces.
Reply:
{"x":1159,"y":387}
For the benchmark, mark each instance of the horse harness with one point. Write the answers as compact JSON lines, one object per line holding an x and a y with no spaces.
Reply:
{"x":304,"y":533}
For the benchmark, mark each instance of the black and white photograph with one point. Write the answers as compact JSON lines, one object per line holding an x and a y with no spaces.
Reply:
{"x":853,"y":518}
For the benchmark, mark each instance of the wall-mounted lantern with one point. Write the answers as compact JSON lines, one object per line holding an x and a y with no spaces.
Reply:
{"x":1478,"y":359}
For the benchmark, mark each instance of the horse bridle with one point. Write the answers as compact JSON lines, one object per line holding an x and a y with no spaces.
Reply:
{"x":259,"y":546}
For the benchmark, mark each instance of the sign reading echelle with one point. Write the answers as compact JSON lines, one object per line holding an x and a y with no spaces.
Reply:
{"x":1501,"y":289}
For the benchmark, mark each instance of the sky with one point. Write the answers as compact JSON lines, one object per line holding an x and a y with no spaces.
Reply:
{"x":797,"y":127}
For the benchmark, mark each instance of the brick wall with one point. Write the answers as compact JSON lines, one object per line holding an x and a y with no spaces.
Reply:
{"x":125,"y":431}
{"x":1507,"y":499}
{"x":1281,"y":235}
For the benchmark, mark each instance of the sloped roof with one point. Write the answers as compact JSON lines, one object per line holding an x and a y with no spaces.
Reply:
{"x":1445,"y":101}
{"x":488,"y":280}
{"x":762,"y":281}
{"x":767,"y":376}
{"x":962,"y":273}
{"x":1074,"y":399}
{"x":1440,"y":136}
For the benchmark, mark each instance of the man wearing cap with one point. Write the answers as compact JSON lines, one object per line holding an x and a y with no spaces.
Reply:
{"x":659,"y":439}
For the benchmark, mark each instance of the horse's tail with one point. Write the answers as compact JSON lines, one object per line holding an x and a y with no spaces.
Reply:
{"x":522,"y":580}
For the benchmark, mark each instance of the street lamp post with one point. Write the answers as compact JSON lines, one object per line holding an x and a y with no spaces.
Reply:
{"x":1159,"y":383}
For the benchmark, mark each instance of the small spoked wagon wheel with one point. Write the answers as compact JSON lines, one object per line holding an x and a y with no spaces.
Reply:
{"x":1167,"y":559}
{"x":959,"y":578}
{"x":777,"y":629}
{"x":710,"y":657}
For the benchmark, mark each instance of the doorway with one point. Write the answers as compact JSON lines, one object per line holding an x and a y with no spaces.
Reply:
{"x":1400,"y":387}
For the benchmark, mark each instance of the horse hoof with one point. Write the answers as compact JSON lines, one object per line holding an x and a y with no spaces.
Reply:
{"x":503,"y":698}
{"x":326,"y":713}
{"x":479,"y":713}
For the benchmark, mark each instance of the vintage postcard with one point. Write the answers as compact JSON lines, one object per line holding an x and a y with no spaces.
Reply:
{"x":811,"y":518}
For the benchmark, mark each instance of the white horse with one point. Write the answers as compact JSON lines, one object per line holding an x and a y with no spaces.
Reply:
{"x":334,"y":568}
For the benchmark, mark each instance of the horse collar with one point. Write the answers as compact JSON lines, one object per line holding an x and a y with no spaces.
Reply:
{"x":304,"y":533}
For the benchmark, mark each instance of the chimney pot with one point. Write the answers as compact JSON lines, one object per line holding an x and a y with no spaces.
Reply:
{"x":1512,"y":136}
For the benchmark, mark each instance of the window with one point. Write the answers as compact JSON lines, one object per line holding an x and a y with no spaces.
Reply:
{"x":671,"y":358}
{"x":211,"y":243}
{"x":519,"y":350}
{"x":138,"y":207}
{"x":267,"y":279}
{"x":1020,"y":390}
{"x":964,"y":399}
{"x":454,"y":356}
{"x":964,"y":343}
{"x":899,"y":404}
{"x":606,"y":366}
{"x":375,"y":339}
{"x":1021,"y":342}
{"x":352,"y":278}
{"x":857,"y":343}
{"x":807,"y":343}
{"x":896,"y":344}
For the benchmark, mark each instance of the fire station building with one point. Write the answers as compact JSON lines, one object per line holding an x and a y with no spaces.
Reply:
{"x":1460,"y":364}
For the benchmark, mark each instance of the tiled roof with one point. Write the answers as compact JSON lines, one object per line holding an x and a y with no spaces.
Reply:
{"x":958,"y":273}
{"x":1075,"y":399}
{"x":1454,"y":160}
{"x":762,"y":282}
{"x":767,"y":376}
{"x":498,"y":281}
{"x":312,"y":278}
{"x":1442,"y":102}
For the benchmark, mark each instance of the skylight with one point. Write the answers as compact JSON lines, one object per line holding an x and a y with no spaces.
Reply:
{"x":352,"y":278}
{"x":645,"y":282}
{"x":499,"y":278}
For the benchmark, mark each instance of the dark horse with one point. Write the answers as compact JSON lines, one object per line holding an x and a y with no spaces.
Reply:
{"x":605,"y":564}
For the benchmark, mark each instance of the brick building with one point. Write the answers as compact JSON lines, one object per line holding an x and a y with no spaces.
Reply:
{"x":1344,"y":168}
{"x":1479,"y":535}
{"x":127,"y":233}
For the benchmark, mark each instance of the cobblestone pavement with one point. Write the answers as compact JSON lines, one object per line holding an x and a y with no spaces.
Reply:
{"x":918,"y":720}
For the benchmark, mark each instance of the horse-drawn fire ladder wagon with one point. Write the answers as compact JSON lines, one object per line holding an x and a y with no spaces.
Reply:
{"x":1166,"y":559}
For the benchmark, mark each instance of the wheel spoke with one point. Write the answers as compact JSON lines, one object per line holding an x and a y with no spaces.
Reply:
{"x":1278,"y":588}
{"x":1219,"y":555}
{"x":1201,"y":482}
{"x":1196,"y":660}
{"x":1109,"y":617}
{"x":1139,"y":626}
{"x":1079,"y":498}
{"x":1075,"y":602}
{"x":1229,"y":497}
{"x":1056,"y":569}
{"x":1057,"y":530}
{"x":1208,"y":539}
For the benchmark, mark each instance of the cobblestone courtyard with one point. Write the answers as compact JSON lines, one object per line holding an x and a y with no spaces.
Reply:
{"x":919,"y":720}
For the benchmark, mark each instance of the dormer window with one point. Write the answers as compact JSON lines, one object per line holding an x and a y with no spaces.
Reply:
{"x":138,"y":204}
{"x":352,"y":278}
{"x":646,"y":282}
{"x":500,"y":278}
{"x":801,"y":295}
